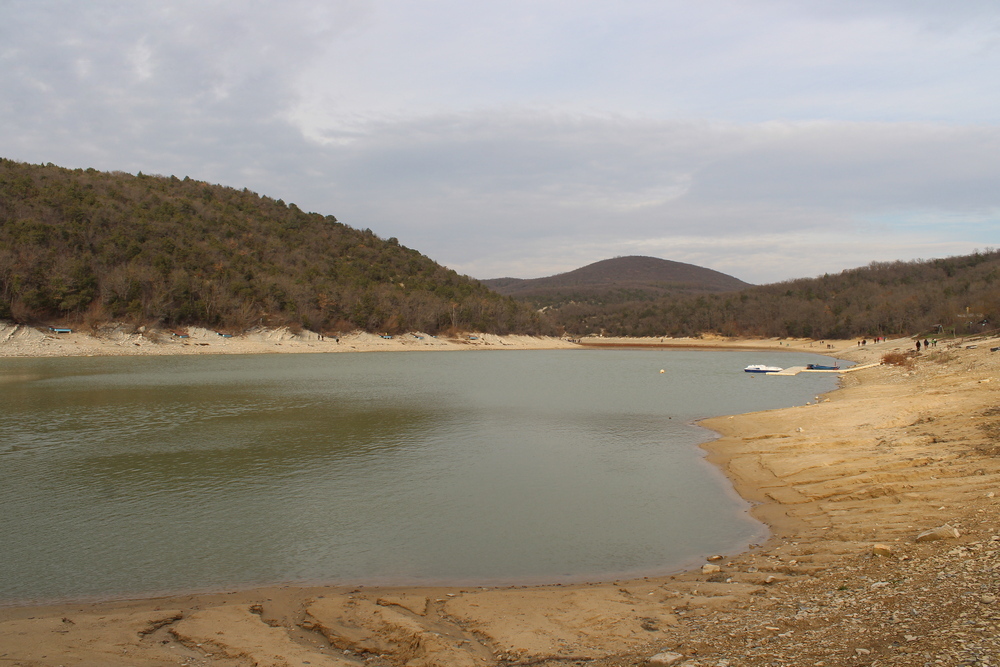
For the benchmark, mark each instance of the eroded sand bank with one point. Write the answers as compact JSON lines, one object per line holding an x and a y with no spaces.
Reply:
{"x":125,"y":340}
{"x":895,"y":452}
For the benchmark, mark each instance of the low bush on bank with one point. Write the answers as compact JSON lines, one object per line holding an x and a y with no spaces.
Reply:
{"x":942,"y":357}
{"x":897,"y":359}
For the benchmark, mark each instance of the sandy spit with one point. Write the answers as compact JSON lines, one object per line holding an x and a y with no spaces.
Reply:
{"x":847,"y":485}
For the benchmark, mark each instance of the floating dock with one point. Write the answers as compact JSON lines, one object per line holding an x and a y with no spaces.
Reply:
{"x":795,"y":370}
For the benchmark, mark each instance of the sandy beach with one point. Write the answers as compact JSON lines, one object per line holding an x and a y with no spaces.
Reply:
{"x":882,"y":498}
{"x":709,"y":342}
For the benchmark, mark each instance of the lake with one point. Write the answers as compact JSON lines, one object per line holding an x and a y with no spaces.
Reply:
{"x":132,"y":476}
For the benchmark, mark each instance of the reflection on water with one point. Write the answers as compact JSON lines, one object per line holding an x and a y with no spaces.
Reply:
{"x":140,"y":475}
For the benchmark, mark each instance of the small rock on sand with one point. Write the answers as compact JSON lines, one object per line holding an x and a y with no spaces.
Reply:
{"x":882,"y":550}
{"x":944,"y":532}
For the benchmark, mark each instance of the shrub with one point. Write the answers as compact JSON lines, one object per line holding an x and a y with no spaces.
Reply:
{"x":897,"y":359}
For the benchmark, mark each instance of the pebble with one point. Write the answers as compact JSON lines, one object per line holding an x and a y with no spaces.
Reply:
{"x":882,"y":550}
{"x":665,"y":658}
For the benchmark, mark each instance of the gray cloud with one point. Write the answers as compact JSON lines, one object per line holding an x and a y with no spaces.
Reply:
{"x":769,"y":140}
{"x":544,"y":177}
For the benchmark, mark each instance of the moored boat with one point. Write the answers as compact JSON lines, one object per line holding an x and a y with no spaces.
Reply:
{"x":760,"y":368}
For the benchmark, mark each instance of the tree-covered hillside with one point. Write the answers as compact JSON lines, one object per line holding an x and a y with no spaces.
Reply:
{"x":82,"y":245}
{"x":955,"y":294}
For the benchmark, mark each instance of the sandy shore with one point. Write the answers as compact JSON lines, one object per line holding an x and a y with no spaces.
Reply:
{"x":847,"y":485}
{"x":708,"y":342}
{"x":126,"y":340}
{"x":123,"y":340}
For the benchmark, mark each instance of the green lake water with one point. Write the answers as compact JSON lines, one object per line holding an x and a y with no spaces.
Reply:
{"x":148,"y":475}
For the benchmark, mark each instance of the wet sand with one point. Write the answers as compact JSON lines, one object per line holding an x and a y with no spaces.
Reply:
{"x":846,"y":484}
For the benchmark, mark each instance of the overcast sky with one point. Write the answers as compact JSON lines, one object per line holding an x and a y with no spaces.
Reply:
{"x":767,"y":139}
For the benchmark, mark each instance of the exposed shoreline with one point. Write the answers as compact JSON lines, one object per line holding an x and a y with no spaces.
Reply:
{"x":893,"y":452}
{"x":18,"y":340}
{"x":122,"y":340}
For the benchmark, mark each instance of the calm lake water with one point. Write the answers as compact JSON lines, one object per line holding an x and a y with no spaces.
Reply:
{"x":134,"y":476}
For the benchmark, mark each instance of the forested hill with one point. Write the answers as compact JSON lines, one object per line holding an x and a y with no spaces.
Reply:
{"x":959,"y":295}
{"x":616,"y":280}
{"x":82,"y":245}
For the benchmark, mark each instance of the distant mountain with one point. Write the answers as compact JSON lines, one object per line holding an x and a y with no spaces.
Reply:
{"x":616,"y":280}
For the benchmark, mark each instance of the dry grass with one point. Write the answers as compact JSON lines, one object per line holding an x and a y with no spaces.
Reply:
{"x":942,"y":357}
{"x":897,"y":359}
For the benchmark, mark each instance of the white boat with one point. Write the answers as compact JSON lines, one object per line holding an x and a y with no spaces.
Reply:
{"x":760,"y":368}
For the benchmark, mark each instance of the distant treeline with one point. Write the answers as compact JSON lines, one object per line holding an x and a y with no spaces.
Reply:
{"x":89,"y":246}
{"x":958,"y":295}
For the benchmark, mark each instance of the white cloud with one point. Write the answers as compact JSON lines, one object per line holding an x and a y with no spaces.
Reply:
{"x":140,"y":57}
{"x":573,"y":187}
{"x":721,"y":59}
{"x":533,"y":136}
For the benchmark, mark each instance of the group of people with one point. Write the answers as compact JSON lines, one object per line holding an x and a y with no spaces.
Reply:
{"x":881,"y":339}
{"x":876,"y":339}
